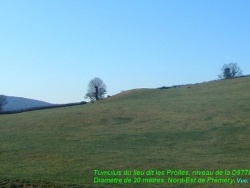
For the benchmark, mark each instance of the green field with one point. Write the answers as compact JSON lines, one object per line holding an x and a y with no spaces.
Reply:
{"x":206,"y":126}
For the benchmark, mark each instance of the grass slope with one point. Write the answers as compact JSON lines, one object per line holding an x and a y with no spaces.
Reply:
{"x":205,"y":126}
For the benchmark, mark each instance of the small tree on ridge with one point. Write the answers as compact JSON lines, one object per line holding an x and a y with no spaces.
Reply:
{"x":231,"y":70}
{"x":96,"y":89}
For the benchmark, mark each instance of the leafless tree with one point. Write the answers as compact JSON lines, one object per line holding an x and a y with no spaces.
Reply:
{"x":97,"y":89}
{"x":3,"y":101}
{"x":231,"y":70}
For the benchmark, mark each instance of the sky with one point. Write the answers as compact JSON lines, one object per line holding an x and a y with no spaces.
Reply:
{"x":51,"y":49}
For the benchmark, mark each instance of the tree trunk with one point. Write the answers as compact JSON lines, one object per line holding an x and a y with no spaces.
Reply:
{"x":96,"y":93}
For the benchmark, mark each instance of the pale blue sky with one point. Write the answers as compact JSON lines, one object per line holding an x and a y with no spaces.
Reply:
{"x":51,"y":49}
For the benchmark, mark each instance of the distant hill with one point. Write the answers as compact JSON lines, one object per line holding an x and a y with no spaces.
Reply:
{"x":20,"y":103}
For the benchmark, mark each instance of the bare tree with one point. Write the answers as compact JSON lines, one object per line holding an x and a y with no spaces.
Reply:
{"x":97,"y":89}
{"x":3,"y":101}
{"x":231,"y":70}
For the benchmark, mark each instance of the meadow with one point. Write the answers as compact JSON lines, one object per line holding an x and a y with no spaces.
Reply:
{"x":199,"y":126}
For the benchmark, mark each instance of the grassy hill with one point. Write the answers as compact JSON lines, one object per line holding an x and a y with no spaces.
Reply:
{"x":205,"y":126}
